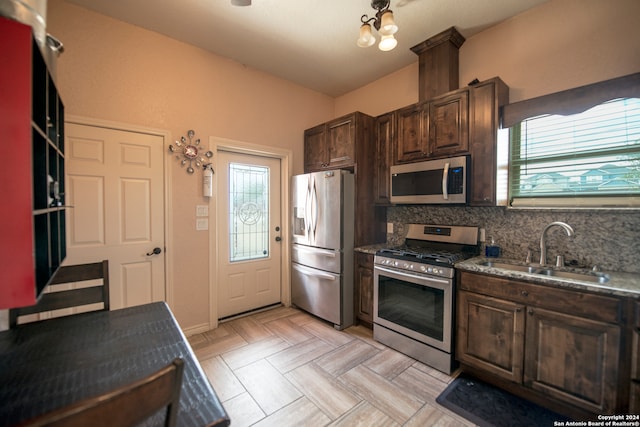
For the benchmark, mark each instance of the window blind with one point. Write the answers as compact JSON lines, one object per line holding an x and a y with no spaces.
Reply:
{"x":593,"y":156}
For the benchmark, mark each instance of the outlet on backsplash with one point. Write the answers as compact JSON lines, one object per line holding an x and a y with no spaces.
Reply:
{"x":390,"y":228}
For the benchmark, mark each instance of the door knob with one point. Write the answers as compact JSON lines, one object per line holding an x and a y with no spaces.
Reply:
{"x":155,"y":251}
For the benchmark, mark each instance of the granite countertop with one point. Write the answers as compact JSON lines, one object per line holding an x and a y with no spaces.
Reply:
{"x":371,"y":249}
{"x":619,"y":283}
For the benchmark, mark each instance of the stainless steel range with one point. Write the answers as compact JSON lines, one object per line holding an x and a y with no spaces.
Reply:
{"x":414,"y":290}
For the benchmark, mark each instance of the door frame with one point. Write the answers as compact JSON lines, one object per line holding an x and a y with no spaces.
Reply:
{"x":217,"y":144}
{"x":167,"y":226}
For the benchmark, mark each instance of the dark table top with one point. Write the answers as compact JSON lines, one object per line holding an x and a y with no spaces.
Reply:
{"x":49,"y":364}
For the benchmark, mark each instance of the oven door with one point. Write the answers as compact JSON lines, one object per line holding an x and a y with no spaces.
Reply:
{"x":416,"y":305}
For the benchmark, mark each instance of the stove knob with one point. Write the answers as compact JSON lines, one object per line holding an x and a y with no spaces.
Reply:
{"x":405,"y":265}
{"x":423,"y":268}
{"x":396,"y":263}
{"x":429,"y":269}
{"x":411,"y":267}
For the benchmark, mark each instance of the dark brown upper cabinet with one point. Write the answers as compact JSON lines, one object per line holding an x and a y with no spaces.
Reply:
{"x":432,"y":129}
{"x":412,"y":143}
{"x":331,"y":145}
{"x":449,"y":124}
{"x":486,"y":99}
{"x":385,"y":130}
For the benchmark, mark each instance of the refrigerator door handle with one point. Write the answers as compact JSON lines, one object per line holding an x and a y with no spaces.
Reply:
{"x":314,"y":208}
{"x":307,"y":210}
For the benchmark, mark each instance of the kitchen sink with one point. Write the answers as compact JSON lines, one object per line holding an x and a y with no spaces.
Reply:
{"x":506,"y":266}
{"x":583,"y":276}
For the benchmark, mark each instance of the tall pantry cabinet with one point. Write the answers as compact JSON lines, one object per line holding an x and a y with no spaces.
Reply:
{"x":32,"y":214}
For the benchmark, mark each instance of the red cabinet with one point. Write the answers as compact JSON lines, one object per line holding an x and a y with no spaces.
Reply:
{"x":33,"y":244}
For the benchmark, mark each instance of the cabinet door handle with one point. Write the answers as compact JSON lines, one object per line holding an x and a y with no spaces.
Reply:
{"x":518,"y":310}
{"x":530,"y":312}
{"x":524,"y":293}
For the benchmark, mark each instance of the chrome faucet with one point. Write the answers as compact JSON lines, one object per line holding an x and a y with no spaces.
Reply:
{"x":543,"y":239}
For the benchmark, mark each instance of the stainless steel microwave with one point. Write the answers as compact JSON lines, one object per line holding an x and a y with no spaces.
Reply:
{"x":441,"y":181}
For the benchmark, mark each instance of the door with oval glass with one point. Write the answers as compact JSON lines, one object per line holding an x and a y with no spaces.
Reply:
{"x":249,"y":230}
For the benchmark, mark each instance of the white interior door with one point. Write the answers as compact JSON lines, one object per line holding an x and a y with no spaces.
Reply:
{"x":115,"y":185}
{"x":249,"y":230}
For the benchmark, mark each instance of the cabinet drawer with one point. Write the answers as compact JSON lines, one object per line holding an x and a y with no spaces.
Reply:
{"x":597,"y":307}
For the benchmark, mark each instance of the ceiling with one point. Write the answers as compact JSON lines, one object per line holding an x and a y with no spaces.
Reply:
{"x":309,"y":42}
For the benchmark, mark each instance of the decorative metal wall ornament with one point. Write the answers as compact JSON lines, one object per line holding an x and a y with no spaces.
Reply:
{"x":189,"y":152}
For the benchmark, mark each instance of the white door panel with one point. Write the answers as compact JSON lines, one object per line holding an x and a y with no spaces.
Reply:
{"x":249,"y":226}
{"x":115,"y":183}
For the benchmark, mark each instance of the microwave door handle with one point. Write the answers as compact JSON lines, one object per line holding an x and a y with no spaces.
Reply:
{"x":445,"y":178}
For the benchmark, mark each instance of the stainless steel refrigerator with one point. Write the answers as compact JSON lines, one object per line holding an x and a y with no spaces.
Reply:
{"x":322,"y":246}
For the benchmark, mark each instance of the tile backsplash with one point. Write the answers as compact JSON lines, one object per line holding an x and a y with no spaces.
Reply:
{"x":609,"y":239}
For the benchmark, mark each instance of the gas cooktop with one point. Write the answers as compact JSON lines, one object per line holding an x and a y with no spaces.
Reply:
{"x":435,"y":245}
{"x":426,"y":255}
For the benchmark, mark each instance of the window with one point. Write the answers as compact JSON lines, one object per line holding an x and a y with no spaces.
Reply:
{"x":248,"y":212}
{"x":591,"y":158}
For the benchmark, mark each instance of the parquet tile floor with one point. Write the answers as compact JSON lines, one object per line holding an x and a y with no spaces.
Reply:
{"x":284,"y":367}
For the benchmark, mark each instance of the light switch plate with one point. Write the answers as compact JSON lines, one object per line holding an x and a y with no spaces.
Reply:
{"x":202,"y":224}
{"x":390,"y":227}
{"x":202,"y":210}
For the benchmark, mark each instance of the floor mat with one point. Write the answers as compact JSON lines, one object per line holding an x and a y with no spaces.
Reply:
{"x":486,"y":405}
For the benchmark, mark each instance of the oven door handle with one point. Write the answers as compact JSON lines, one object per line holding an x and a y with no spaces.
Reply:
{"x":411,"y":276}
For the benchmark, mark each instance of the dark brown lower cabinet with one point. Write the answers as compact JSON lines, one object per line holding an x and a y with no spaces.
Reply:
{"x":364,"y":288}
{"x":572,"y":359}
{"x":558,"y":346}
{"x":491,"y":334}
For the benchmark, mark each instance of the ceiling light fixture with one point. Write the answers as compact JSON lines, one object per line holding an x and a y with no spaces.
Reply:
{"x":383,"y":22}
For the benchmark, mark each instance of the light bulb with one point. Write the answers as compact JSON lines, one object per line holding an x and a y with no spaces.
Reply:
{"x":387,"y":24}
{"x":366,"y":38}
{"x":387,"y":43}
